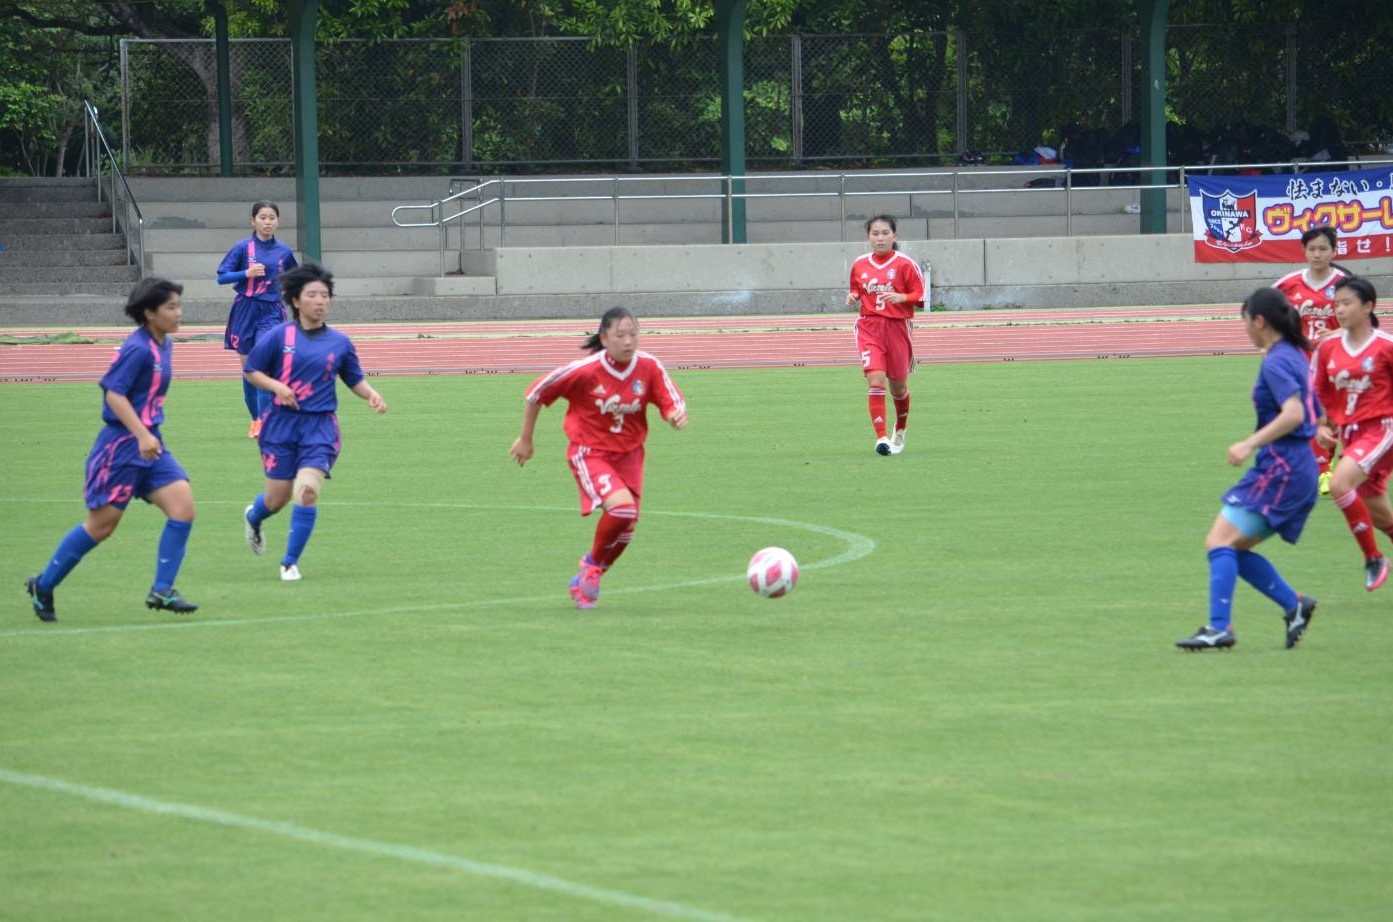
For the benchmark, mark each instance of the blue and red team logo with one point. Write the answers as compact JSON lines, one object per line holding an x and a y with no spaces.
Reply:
{"x":1231,"y":220}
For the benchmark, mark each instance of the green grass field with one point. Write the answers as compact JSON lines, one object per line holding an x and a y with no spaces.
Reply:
{"x":969,"y":709}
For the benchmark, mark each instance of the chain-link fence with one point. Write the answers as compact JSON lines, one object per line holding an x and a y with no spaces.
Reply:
{"x":836,"y":100}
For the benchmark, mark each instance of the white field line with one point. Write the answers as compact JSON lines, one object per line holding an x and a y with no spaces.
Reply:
{"x":857,"y":546}
{"x":520,"y":876}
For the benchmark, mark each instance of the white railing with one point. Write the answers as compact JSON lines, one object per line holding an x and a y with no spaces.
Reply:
{"x":480,"y":194}
{"x":125,"y":213}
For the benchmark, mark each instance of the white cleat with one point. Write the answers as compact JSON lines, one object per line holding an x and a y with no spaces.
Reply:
{"x":255,"y":541}
{"x":897,"y":442}
{"x":289,"y":574}
{"x":882,"y":446}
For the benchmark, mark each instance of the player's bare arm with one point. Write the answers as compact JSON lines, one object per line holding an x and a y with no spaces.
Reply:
{"x":375,"y":402}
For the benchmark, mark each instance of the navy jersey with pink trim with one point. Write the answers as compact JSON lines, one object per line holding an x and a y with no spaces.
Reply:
{"x":308,"y":361}
{"x":140,"y":372}
{"x":872,"y":279}
{"x":274,"y":255}
{"x":608,"y":404}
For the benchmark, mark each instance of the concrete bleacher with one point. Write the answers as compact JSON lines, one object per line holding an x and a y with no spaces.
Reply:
{"x":561,"y":259}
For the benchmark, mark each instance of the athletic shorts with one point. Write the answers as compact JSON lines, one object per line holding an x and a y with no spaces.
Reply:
{"x":886,"y":344}
{"x":600,"y":473}
{"x":1370,"y":444}
{"x":291,"y":440}
{"x":248,"y":319}
{"x":116,"y":473}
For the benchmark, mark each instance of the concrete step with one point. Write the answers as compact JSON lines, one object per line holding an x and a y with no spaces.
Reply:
{"x":20,"y":189}
{"x":67,"y":274}
{"x":27,"y":227}
{"x":60,"y":242}
{"x":117,"y":290}
{"x":33,"y":256}
{"x":50,"y":209}
{"x":206,"y":287}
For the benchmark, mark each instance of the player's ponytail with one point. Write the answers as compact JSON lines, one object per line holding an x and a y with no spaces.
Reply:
{"x":1272,"y":306}
{"x":150,"y":294}
{"x":1363,"y":290}
{"x":610,"y":318}
{"x":888,"y":220}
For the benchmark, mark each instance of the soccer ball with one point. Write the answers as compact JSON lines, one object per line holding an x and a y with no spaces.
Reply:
{"x":772,"y":572}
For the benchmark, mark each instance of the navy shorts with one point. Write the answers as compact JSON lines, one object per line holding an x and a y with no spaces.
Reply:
{"x":116,"y":473}
{"x":248,"y":319}
{"x":291,"y":440}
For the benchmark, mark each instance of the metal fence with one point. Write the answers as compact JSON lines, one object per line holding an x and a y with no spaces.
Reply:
{"x":539,"y":104}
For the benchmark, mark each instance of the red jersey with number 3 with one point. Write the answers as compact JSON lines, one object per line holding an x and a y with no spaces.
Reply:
{"x":608,"y":404}
{"x":1354,"y":386}
{"x":1315,"y":303}
{"x":872,"y":279}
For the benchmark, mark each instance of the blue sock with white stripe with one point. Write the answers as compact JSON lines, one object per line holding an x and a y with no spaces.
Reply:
{"x":173,"y":541}
{"x":1258,"y":572}
{"x":1223,"y":578}
{"x":302,"y":520}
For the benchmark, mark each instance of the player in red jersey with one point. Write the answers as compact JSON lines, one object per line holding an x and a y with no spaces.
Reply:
{"x":608,"y":395}
{"x":889,"y":288}
{"x":1353,"y":377}
{"x":1312,"y":292}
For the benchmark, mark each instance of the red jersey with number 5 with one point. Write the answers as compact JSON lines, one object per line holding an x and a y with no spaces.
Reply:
{"x":1315,"y":303}
{"x":1354,"y":386}
{"x":608,"y":404}
{"x":873,"y":279}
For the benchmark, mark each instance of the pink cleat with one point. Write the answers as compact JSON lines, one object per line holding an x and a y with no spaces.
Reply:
{"x":585,"y":585}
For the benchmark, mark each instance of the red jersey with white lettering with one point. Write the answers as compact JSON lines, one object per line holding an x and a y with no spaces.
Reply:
{"x":1354,"y":386}
{"x":608,"y":404}
{"x":872,"y":279}
{"x":1315,"y":303}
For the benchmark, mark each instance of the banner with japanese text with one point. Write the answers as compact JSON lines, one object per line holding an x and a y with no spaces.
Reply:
{"x":1261,"y":218}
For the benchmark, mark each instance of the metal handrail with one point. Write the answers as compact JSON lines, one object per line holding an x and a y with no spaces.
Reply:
{"x":728,"y":193}
{"x":94,"y":146}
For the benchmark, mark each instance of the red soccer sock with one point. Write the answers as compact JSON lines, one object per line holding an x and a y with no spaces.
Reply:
{"x":901,"y":411}
{"x":613,"y":533}
{"x":875,"y":397}
{"x":1322,"y":456}
{"x":1361,"y":524}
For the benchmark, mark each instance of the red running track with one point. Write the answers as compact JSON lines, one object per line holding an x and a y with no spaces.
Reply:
{"x":685,"y":343}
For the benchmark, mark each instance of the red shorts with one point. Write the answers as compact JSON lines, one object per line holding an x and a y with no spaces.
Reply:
{"x":1370,"y":444}
{"x":886,"y":344}
{"x":600,"y":473}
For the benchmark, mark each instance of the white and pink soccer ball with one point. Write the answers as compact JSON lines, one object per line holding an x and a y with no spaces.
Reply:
{"x":772,"y":572}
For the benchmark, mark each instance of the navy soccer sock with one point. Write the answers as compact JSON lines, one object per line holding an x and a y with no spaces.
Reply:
{"x":1258,"y":572}
{"x":302,"y":520}
{"x":250,"y":398}
{"x":173,"y":540}
{"x":71,"y":549}
{"x":1223,"y":577}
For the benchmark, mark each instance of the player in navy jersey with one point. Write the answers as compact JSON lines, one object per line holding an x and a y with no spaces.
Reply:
{"x":298,"y":363}
{"x":129,"y":459}
{"x":607,"y":396}
{"x":1278,"y":492}
{"x":252,"y":268}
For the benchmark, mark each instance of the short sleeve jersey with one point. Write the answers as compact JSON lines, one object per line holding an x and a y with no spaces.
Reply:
{"x":308,"y":362}
{"x":1284,"y":373}
{"x":1354,"y":385}
{"x":274,"y":255}
{"x":1316,"y":304}
{"x":140,"y":373}
{"x":607,"y":404}
{"x":872,"y":279}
